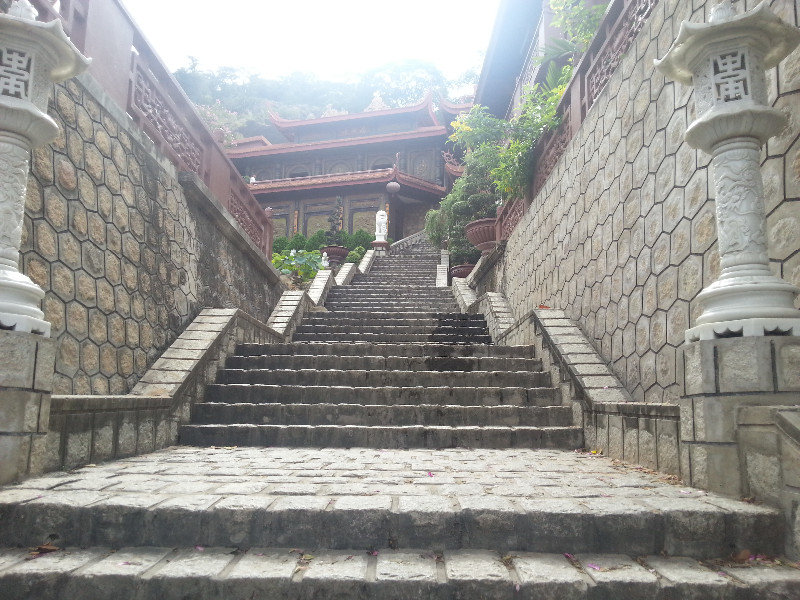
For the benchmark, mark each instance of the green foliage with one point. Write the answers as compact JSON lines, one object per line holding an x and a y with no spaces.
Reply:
{"x":359,"y":238}
{"x":279,"y":245}
{"x":301,"y":265}
{"x":221,"y":121}
{"x":577,"y":20}
{"x":297,"y":242}
{"x":302,"y":95}
{"x":335,"y":236}
{"x":355,"y":255}
{"x":538,"y":115}
{"x":316,"y":241}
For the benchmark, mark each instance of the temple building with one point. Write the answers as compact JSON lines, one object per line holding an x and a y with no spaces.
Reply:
{"x":352,"y":157}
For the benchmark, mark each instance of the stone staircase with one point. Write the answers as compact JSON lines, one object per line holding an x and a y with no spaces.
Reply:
{"x":392,"y":364}
{"x":388,"y":455}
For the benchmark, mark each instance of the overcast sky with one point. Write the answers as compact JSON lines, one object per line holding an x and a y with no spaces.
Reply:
{"x":333,"y":39}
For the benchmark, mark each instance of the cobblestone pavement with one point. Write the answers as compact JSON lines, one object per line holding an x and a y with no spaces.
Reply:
{"x":456,"y":473}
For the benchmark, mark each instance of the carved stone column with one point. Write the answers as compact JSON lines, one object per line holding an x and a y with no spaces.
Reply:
{"x":32,"y":57}
{"x":725,"y":60}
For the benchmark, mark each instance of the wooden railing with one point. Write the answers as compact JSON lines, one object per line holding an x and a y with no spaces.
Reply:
{"x":131,"y":73}
{"x":621,"y":24}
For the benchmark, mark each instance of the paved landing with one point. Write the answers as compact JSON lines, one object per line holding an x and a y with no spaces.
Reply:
{"x":220,"y":473}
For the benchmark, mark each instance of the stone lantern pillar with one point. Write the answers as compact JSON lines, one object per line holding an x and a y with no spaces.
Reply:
{"x":32,"y":57}
{"x":725,"y":61}
{"x":741,"y":362}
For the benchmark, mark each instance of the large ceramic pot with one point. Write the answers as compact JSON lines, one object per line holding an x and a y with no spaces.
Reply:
{"x":336,"y":254}
{"x":482,"y":234}
{"x":461,"y":270}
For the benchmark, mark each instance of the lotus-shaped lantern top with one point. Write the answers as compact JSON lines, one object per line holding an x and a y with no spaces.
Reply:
{"x":64,"y":59}
{"x":759,"y":27}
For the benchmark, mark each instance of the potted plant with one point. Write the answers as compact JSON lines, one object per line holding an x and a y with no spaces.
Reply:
{"x":334,"y":236}
{"x":463,"y":257}
{"x":481,"y":231}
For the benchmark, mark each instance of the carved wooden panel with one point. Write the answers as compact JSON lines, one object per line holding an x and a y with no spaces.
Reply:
{"x":627,"y":27}
{"x":156,"y":114}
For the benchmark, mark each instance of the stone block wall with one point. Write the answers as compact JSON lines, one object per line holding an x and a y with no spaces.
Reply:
{"x":622,"y":236}
{"x":126,"y":254}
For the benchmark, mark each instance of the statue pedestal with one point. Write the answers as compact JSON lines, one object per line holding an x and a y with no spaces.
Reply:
{"x":26,"y":380}
{"x":381,"y":248}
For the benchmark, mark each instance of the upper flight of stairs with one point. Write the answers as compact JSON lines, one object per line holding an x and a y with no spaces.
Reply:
{"x":390,"y":364}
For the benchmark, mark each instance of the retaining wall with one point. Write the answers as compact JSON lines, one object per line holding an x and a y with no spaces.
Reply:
{"x":127,"y":249}
{"x":622,"y":236}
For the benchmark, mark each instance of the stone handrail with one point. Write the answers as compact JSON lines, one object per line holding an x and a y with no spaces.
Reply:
{"x":409,"y":240}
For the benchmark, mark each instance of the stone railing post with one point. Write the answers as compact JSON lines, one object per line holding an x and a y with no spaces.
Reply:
{"x":33,"y":56}
{"x":741,"y":359}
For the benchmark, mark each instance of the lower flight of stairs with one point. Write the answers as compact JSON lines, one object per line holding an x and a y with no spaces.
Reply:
{"x":383,"y":396}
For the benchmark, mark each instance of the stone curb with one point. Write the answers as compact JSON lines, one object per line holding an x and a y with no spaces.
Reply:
{"x":346,"y":274}
{"x":366,"y":263}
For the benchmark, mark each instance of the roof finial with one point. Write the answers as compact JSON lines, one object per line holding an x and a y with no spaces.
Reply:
{"x":23,"y":9}
{"x":723,"y":11}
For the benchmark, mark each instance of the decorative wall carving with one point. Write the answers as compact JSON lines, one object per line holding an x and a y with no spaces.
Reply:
{"x":238,"y":209}
{"x":509,"y":217}
{"x":13,"y":178}
{"x":628,"y":25}
{"x":158,"y":115}
{"x":740,"y":203}
{"x":553,"y":150}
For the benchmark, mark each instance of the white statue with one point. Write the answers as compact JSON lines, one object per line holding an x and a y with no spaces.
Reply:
{"x":325,"y":262}
{"x":381,"y":225}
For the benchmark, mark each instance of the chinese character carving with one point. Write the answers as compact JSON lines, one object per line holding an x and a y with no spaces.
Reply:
{"x":730,"y":76}
{"x":15,"y":73}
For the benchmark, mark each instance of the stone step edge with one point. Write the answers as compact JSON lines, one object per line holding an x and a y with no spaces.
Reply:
{"x":280,"y":572}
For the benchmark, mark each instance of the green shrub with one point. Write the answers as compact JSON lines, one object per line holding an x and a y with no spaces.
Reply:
{"x":300,"y":264}
{"x":356,"y":254}
{"x":359,"y":238}
{"x":298,"y":242}
{"x":316,"y":241}
{"x":279,"y":245}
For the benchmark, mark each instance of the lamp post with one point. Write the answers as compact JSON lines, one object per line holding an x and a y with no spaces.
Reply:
{"x":725,"y":60}
{"x":33,"y":56}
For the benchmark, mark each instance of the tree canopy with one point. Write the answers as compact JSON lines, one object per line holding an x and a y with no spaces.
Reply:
{"x":303,"y":95}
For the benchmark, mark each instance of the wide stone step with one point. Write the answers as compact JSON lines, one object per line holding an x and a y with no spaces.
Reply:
{"x":335,"y":306}
{"x":370,"y":349}
{"x":330,"y":327}
{"x":383,"y":436}
{"x":368,"y":378}
{"x":388,"y":338}
{"x":208,"y":413}
{"x":386,"y":395}
{"x":522,"y":500}
{"x":388,"y":320}
{"x":381,"y":363}
{"x":329,"y":574}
